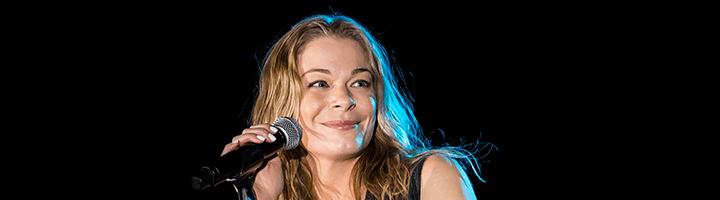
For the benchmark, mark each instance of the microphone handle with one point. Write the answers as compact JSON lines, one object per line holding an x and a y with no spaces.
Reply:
{"x":237,"y":164}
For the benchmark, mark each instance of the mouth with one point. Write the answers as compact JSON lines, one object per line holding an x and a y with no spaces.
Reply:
{"x":342,"y":125}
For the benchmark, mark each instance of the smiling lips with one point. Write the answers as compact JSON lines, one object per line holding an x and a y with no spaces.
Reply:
{"x":341,"y":124}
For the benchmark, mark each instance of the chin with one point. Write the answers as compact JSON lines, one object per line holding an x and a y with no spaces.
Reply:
{"x":338,"y":147}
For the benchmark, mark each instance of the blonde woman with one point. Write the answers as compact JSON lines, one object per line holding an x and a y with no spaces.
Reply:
{"x":361,"y":139}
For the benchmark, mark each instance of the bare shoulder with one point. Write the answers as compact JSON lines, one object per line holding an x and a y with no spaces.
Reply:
{"x":442,"y":178}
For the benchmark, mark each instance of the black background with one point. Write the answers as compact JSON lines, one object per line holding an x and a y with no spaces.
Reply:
{"x":179,"y":79}
{"x":135,"y":97}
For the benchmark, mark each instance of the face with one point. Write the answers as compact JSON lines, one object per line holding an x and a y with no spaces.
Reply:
{"x":337,"y":107}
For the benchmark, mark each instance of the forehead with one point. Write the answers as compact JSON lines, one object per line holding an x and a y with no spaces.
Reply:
{"x":338,"y":55}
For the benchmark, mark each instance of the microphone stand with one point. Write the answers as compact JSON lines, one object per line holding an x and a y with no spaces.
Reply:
{"x":237,"y":167}
{"x":243,"y":183}
{"x":244,"y":187}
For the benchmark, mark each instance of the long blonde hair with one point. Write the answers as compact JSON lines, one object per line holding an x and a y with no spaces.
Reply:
{"x":385,"y":165}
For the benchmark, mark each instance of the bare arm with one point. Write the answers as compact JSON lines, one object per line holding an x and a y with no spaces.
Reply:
{"x":442,"y":179}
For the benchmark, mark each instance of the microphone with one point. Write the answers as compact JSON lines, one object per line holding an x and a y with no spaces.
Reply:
{"x":242,"y":162}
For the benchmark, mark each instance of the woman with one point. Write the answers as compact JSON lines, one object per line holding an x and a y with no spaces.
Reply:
{"x":360,"y":137}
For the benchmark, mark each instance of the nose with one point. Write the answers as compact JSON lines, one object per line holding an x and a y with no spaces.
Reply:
{"x":341,"y":100}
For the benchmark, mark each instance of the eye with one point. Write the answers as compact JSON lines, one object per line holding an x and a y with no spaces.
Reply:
{"x":360,"y":84}
{"x":318,"y":84}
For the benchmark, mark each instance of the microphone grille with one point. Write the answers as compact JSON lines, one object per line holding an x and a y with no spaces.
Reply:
{"x":292,"y":130}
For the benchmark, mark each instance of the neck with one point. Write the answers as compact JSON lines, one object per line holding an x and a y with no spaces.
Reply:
{"x":332,"y":177}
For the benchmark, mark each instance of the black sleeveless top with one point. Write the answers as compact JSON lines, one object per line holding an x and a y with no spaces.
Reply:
{"x":414,"y":192}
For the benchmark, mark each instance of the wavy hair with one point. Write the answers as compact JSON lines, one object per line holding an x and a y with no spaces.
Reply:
{"x":384,"y":167}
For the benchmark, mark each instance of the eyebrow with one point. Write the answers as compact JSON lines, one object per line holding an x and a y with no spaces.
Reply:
{"x":325,"y":71}
{"x":358,"y":70}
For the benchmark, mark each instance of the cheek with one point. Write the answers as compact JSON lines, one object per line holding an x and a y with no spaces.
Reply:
{"x":366,"y":105}
{"x":310,"y":106}
{"x":370,"y":112}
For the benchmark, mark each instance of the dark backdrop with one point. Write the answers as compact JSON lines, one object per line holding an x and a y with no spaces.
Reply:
{"x":183,"y":78}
